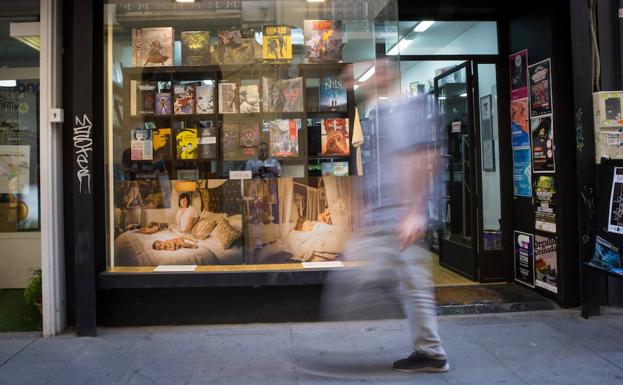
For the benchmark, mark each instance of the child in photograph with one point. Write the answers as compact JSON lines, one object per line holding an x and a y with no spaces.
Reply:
{"x":173,"y":244}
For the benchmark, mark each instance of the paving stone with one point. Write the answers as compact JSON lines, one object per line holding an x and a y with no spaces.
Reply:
{"x":10,"y":347}
{"x":30,"y":373}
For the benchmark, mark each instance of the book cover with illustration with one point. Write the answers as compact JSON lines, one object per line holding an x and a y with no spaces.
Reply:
{"x":236,"y":46}
{"x":184,"y":95}
{"x":249,"y":98}
{"x":207,"y":134}
{"x":162,"y":144}
{"x":163,"y":103}
{"x":333,"y":93}
{"x":195,"y":48}
{"x":228,"y":98}
{"x":277,"y":44}
{"x":141,"y":144}
{"x":284,"y":137}
{"x":335,"y":135}
{"x":186,"y":143}
{"x":292,"y":94}
{"x":231,"y":141}
{"x":323,"y":40}
{"x":146,"y":92}
{"x":204,"y":99}
{"x":152,"y":47}
{"x":249,"y":138}
{"x":340,"y":168}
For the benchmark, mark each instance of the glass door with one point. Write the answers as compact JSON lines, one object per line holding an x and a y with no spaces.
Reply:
{"x":458,"y":234}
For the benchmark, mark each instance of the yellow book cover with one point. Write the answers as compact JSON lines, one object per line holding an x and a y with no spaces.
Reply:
{"x":277,"y":43}
{"x":186,"y":143}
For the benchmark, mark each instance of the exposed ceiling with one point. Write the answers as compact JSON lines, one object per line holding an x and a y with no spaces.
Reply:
{"x":436,"y":37}
{"x":12,"y":52}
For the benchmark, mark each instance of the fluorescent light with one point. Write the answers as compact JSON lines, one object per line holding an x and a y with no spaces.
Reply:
{"x":423,"y":25}
{"x":27,"y":33}
{"x":208,"y":82}
{"x":315,"y":1}
{"x":442,"y":98}
{"x":383,"y":98}
{"x":356,"y":86}
{"x":399,"y":47}
{"x":367,"y":75}
{"x":184,"y":1}
{"x":8,"y":83}
{"x":463,"y":95}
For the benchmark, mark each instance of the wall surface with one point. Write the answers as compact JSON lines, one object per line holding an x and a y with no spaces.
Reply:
{"x":19,"y":254}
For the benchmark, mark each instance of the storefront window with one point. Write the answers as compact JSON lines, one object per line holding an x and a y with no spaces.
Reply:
{"x":232,"y":130}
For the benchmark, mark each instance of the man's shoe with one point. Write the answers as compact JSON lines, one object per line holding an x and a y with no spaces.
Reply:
{"x":419,"y":362}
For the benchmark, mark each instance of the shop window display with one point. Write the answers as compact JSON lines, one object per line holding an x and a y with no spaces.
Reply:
{"x":230,"y":129}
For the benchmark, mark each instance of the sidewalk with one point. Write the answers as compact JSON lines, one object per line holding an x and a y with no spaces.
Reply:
{"x":549,"y":347}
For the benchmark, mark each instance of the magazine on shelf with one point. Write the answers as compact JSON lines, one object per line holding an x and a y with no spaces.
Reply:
{"x":184,"y":95}
{"x":195,"y":48}
{"x":141,"y":144}
{"x":249,"y":98}
{"x":277,"y":44}
{"x":162,"y":144}
{"x":333,"y":93}
{"x":227,"y":98}
{"x":204,"y":99}
{"x":152,"y":47}
{"x":335,"y":135}
{"x":323,"y":40}
{"x":163,"y":103}
{"x":236,"y":46}
{"x":231,"y":141}
{"x":186,"y":143}
{"x":282,"y":95}
{"x":249,"y":138}
{"x":207,"y":140}
{"x":284,"y":140}
{"x":146,"y":92}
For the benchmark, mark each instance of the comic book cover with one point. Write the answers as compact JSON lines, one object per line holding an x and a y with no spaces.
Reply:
{"x":163,"y":103}
{"x":195,"y":48}
{"x":284,"y":140}
{"x":207,"y":134}
{"x":204,"y":99}
{"x":184,"y":95}
{"x":249,"y":98}
{"x":292,"y":93}
{"x":228,"y":98}
{"x":277,"y":44}
{"x":323,"y":40}
{"x":272,"y":96}
{"x":162,"y":144}
{"x":236,"y":46}
{"x":146,"y":98}
{"x":231,"y":141}
{"x":152,"y":47}
{"x":249,"y":138}
{"x":333,"y":94}
{"x":335,"y":135}
{"x":186,"y":143}
{"x":141,"y":144}
{"x":327,"y":168}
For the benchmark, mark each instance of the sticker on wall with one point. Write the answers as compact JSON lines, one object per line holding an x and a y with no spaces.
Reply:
{"x":522,"y":173}
{"x":520,"y":123}
{"x":545,"y":265}
{"x":545,"y":196}
{"x":615,"y":216}
{"x":519,"y":74}
{"x":524,"y":258}
{"x":543,"y":144}
{"x":15,"y":166}
{"x":540,"y":88}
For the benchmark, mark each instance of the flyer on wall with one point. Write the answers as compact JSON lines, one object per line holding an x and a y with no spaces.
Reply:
{"x":519,"y":74}
{"x":540,"y":88}
{"x":522,"y":173}
{"x":524,"y":258}
{"x":546,"y":267}
{"x":615,"y":216}
{"x":545,"y":195}
{"x":543,"y":144}
{"x":520,"y":123}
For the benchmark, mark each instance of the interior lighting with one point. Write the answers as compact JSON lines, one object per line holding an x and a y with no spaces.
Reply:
{"x":315,"y":1}
{"x":403,"y":43}
{"x":27,"y":33}
{"x":184,"y":1}
{"x":463,"y":95}
{"x":8,"y":83}
{"x":367,"y":75}
{"x":423,"y":25}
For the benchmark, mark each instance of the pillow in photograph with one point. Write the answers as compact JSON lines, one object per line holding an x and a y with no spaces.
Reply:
{"x":226,"y":234}
{"x":203,"y":228}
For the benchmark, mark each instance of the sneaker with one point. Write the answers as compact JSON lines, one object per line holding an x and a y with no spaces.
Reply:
{"x":419,"y":362}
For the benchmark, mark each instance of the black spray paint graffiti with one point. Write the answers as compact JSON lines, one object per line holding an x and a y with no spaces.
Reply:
{"x":588,"y":198}
{"x":83,"y":146}
{"x":579,"y":130}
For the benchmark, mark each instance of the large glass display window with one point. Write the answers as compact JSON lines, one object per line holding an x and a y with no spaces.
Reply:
{"x":237,"y":130}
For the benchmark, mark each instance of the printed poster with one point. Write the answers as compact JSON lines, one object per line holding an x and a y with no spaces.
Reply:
{"x":615,"y":217}
{"x":522,"y":173}
{"x":14,"y":169}
{"x":545,"y":195}
{"x":520,"y":123}
{"x":546,"y":267}
{"x":543,"y":144}
{"x":519,"y":75}
{"x":540,"y":88}
{"x":524,"y":258}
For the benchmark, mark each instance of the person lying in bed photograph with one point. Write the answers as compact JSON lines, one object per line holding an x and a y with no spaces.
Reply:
{"x":305,"y":225}
{"x":173,"y":244}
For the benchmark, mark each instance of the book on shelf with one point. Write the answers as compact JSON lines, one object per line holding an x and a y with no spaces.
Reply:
{"x":277,"y":44}
{"x":333,"y":93}
{"x":284,"y":137}
{"x":282,"y":95}
{"x":162,"y":144}
{"x":152,"y":47}
{"x":187,"y":174}
{"x":195,"y":48}
{"x":163,"y":103}
{"x":236,"y":46}
{"x":184,"y":99}
{"x":141,"y":144}
{"x":231,"y":141}
{"x":335,"y":135}
{"x":323,"y":40}
{"x":249,"y":97}
{"x":146,"y":96}
{"x":334,"y":169}
{"x":207,"y":140}
{"x":228,"y":98}
{"x":249,"y":138}
{"x":204,"y":99}
{"x":185,"y":142}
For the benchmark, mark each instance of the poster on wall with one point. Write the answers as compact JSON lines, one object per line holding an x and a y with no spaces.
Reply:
{"x":615,"y":216}
{"x":545,"y":215}
{"x":543,"y":144}
{"x":545,"y":266}
{"x":14,"y":169}
{"x":524,"y":258}
{"x":519,"y":74}
{"x":540,"y":88}
{"x":520,"y":123}
{"x":522,"y":173}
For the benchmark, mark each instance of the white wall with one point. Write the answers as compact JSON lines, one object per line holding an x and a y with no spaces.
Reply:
{"x":19,"y":254}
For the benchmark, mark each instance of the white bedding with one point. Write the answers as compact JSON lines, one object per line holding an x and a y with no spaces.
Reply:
{"x":324,"y":238}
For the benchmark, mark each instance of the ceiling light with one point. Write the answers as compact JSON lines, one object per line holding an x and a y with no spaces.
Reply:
{"x":8,"y":83}
{"x":399,"y":47}
{"x":463,"y":95}
{"x":423,"y":25}
{"x":383,"y":98}
{"x":27,"y":33}
{"x":315,"y":1}
{"x":356,"y":86}
{"x":367,"y":75}
{"x":184,"y":1}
